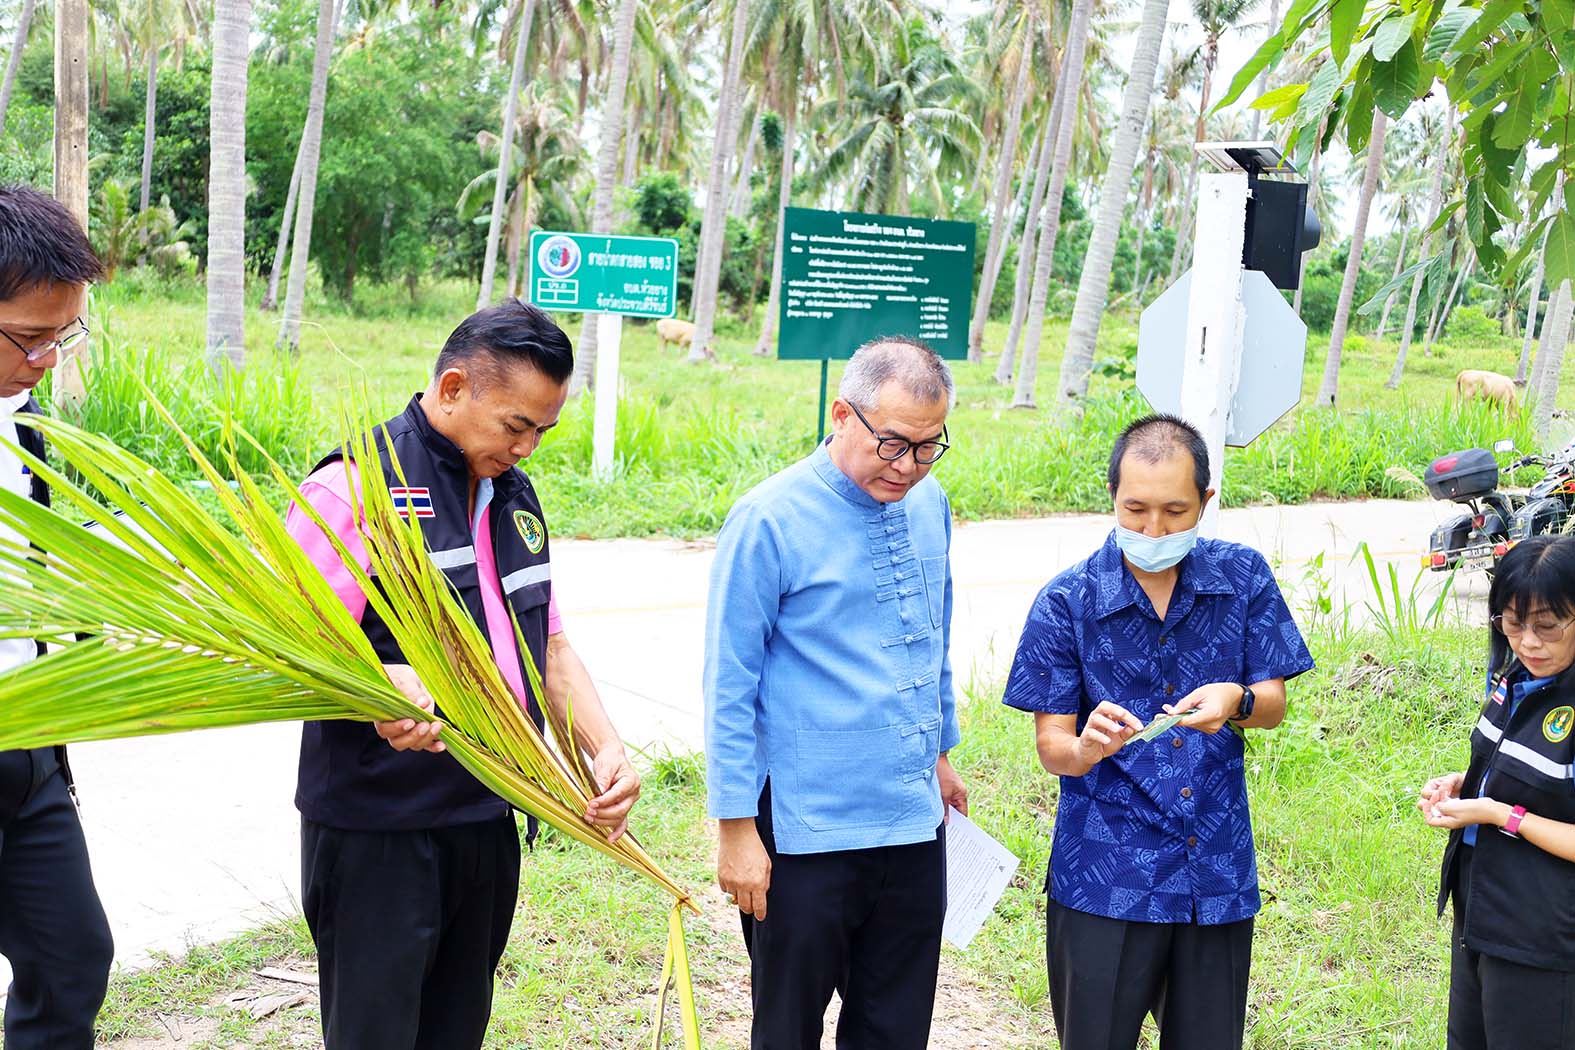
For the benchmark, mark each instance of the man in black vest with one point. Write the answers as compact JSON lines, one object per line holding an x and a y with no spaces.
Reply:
{"x":410,"y":867}
{"x":52,"y":926}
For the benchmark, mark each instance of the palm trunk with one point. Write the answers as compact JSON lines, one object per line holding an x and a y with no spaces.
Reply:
{"x":1435,"y":202}
{"x":311,"y":144}
{"x":1093,"y":286}
{"x":226,"y":340}
{"x":1550,"y":360}
{"x":1383,"y":318}
{"x":1026,"y":246}
{"x":631,"y":151}
{"x":14,"y":61}
{"x":1050,"y":221}
{"x":768,"y":325}
{"x":607,"y":170}
{"x":713,"y":229}
{"x":516,"y":236}
{"x":489,"y":262}
{"x":1184,"y":220}
{"x":1263,"y":78}
{"x":149,"y":112}
{"x":286,"y":224}
{"x":1536,"y":293}
{"x":1328,"y":390}
{"x":1000,"y":195}
{"x":739,"y":200}
{"x":73,"y":86}
{"x":1449,"y":305}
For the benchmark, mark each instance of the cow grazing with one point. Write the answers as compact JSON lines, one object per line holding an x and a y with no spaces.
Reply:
{"x":672,"y":330}
{"x":1476,"y":383}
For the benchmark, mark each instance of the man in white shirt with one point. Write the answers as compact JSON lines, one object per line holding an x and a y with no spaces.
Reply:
{"x":52,"y":926}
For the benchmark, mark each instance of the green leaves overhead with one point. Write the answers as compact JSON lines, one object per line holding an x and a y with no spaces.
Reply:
{"x":1508,"y":67}
{"x":1395,"y":82}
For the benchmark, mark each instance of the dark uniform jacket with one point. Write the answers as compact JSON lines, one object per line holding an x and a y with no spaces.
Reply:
{"x":349,"y":777}
{"x":1518,"y":907}
{"x":24,"y":772}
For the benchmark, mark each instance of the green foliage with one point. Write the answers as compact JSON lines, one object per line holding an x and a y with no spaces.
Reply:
{"x":1471,"y":326}
{"x":1509,"y":66}
{"x":662,"y":204}
{"x":121,"y":236}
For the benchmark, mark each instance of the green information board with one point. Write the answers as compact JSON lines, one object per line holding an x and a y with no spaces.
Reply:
{"x":848,"y":277}
{"x":594,"y":273}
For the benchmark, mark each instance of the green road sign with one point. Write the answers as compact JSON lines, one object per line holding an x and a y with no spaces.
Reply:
{"x":848,"y":277}
{"x":594,"y":273}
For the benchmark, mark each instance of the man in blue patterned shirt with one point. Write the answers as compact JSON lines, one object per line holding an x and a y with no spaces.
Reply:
{"x":1153,"y":886}
{"x":829,"y":713}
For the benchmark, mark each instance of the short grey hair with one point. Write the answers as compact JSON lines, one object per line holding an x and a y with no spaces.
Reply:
{"x":910,"y":363}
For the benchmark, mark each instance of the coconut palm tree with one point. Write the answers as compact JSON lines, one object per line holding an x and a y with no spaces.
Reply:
{"x":1093,"y":287}
{"x":713,"y":228}
{"x":1550,"y":361}
{"x":1435,"y":198}
{"x":227,"y":185}
{"x":1015,"y":50}
{"x":306,"y":192}
{"x":1353,"y":266}
{"x":511,"y":102}
{"x":611,"y":132}
{"x":544,"y":165}
{"x":1050,"y":220}
{"x":900,"y":125}
{"x":1027,"y":242}
{"x":24,"y":21}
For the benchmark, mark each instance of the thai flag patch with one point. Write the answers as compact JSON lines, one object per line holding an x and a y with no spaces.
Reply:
{"x":413,"y":501}
{"x":1500,"y":691}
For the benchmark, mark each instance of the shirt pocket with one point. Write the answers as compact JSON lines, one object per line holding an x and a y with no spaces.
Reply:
{"x":935,"y":588}
{"x":851,"y":778}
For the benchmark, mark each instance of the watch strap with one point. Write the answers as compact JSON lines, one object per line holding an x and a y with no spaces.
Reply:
{"x":1512,"y":825}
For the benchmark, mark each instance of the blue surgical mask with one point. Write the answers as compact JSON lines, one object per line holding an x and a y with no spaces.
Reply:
{"x":1156,"y":553}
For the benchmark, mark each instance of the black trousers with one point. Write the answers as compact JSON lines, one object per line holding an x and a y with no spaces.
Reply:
{"x":1106,"y":975}
{"x":52,"y":926}
{"x":409,"y":928}
{"x":863,"y":923}
{"x":1495,"y":1004}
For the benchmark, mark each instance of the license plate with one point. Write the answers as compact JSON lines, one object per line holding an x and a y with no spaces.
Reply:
{"x":1476,"y":558}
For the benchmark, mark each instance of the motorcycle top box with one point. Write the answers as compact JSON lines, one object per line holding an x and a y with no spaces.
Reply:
{"x":1461,"y":476}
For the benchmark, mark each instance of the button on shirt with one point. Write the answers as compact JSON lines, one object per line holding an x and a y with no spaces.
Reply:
{"x":1158,"y":832}
{"x":826,"y":660}
{"x":14,"y":652}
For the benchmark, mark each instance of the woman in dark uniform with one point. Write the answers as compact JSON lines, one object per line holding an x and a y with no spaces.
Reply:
{"x":1510,"y":863}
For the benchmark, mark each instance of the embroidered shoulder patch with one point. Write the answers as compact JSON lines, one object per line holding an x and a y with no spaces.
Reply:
{"x":1558,"y":724}
{"x":530,"y":530}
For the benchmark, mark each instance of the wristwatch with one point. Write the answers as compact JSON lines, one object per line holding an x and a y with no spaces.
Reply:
{"x":1512,"y":825}
{"x":1244,"y":709}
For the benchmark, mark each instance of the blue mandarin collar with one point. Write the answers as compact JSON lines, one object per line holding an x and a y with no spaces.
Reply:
{"x":839,"y":482}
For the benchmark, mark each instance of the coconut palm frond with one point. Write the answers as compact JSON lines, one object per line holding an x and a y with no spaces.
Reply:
{"x":168,"y":617}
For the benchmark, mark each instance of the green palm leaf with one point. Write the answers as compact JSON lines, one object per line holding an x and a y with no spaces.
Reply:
{"x":168,"y":619}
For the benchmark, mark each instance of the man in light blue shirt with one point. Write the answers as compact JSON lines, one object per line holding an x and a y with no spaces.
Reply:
{"x":829,"y":713}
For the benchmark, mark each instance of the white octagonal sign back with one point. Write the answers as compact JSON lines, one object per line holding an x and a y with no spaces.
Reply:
{"x":1274,"y":345}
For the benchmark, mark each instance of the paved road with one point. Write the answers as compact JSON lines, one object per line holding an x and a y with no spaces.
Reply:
{"x":194,"y":837}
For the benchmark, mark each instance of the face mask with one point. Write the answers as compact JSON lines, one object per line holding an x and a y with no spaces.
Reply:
{"x":1155,"y":554}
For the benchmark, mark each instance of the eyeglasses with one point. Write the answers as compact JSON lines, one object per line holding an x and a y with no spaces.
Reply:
{"x":36,"y":354}
{"x":1547,"y":630}
{"x":891,"y":449}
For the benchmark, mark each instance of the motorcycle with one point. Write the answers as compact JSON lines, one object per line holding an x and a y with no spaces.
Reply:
{"x":1497,"y":520}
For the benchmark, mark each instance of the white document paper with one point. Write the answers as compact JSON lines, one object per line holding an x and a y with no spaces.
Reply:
{"x":978,"y":870}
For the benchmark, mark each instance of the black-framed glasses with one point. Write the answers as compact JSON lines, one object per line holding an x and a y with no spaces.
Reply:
{"x":1547,"y":630}
{"x":35,"y":354}
{"x":891,"y":449}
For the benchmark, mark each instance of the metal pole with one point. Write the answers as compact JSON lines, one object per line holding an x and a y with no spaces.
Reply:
{"x":825,"y":370}
{"x":604,"y":435}
{"x":1211,"y":361}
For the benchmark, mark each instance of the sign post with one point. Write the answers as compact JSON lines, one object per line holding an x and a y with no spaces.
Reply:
{"x":848,"y":277}
{"x":1221,"y":347}
{"x":615,"y":277}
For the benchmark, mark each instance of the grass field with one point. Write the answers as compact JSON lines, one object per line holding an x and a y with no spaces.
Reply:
{"x":694,"y":438}
{"x":1348,"y":953}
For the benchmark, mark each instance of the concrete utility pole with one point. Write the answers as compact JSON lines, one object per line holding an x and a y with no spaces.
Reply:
{"x":71,"y":152}
{"x":1211,"y":366}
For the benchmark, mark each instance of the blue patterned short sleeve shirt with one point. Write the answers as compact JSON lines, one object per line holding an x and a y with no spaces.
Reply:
{"x":1158,"y":832}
